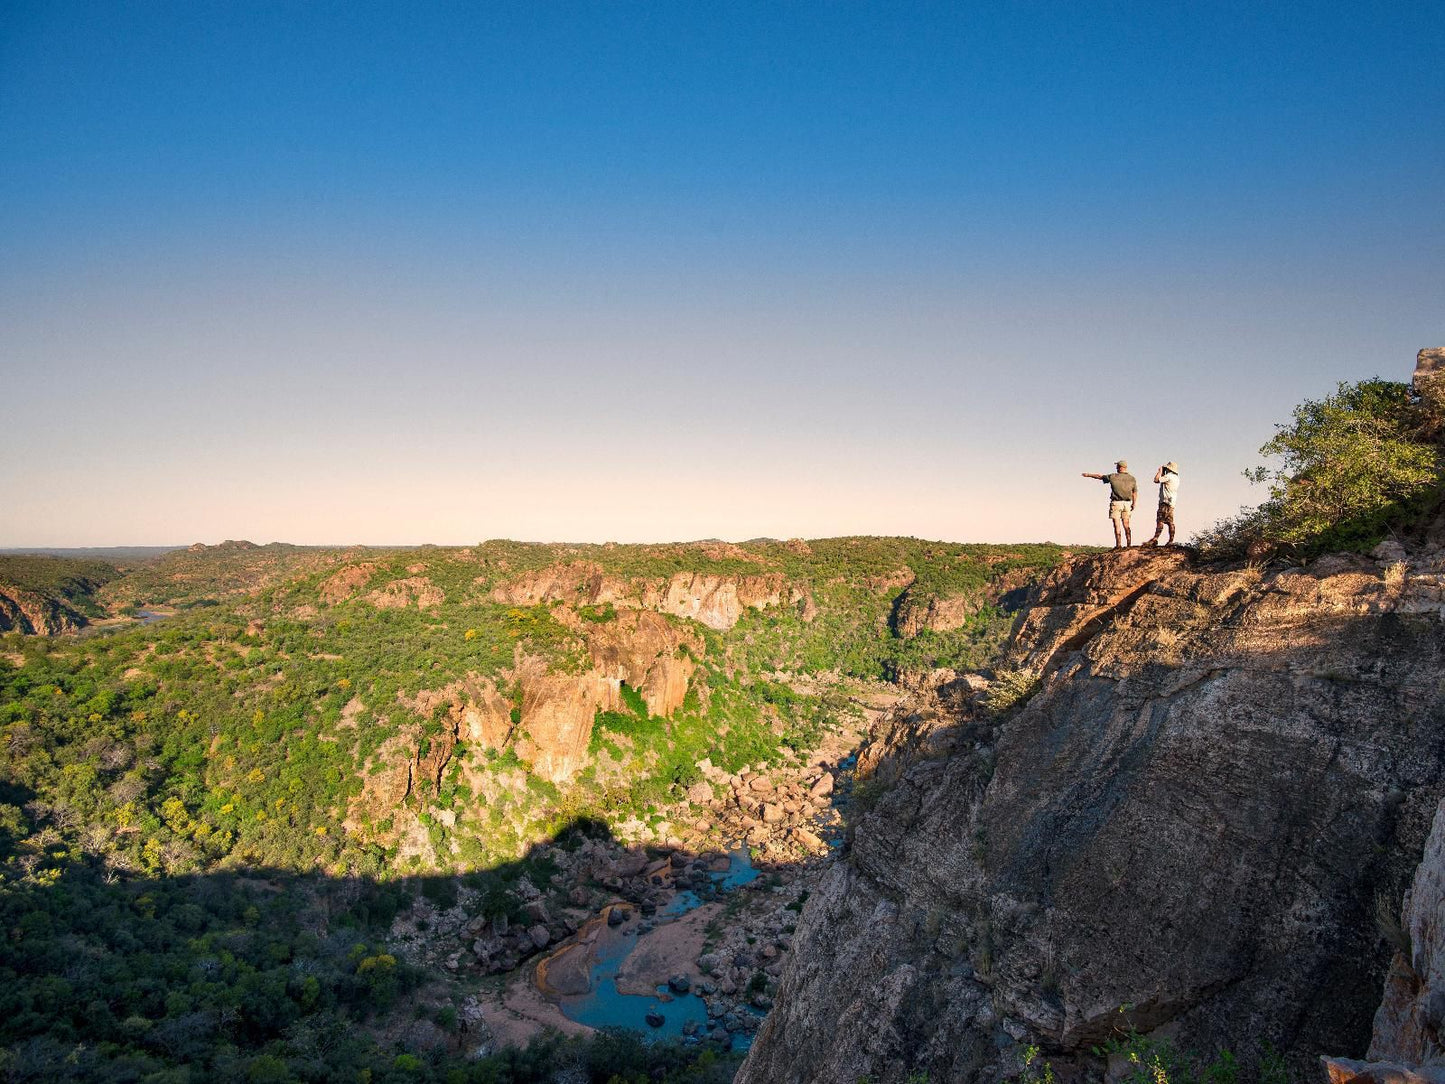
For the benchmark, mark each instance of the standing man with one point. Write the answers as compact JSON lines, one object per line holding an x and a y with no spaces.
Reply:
{"x":1123,"y":496}
{"x":1167,"y":479}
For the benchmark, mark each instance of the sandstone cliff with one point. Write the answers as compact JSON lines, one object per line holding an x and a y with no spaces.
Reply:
{"x":918,"y":609}
{"x":1183,"y":793}
{"x":556,"y":711}
{"x":35,"y":613}
{"x":712,"y":600}
{"x":651,"y":654}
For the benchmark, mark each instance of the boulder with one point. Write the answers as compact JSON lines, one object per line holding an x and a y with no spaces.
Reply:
{"x":808,"y":840}
{"x":699,"y":793}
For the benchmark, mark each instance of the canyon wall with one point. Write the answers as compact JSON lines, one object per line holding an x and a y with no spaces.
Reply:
{"x":1174,"y":807}
{"x":35,"y":613}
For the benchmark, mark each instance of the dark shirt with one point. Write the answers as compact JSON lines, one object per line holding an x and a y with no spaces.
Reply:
{"x":1123,"y":486}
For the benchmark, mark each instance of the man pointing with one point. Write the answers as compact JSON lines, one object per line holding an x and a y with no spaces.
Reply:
{"x":1123,"y":496}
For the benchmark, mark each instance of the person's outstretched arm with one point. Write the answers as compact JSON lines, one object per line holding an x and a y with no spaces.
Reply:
{"x":1098,"y":476}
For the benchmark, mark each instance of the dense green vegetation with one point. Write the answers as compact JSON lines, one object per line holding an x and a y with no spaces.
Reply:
{"x":1349,"y":469}
{"x":243,"y":732}
{"x":189,"y":872}
{"x":262,"y":976}
{"x":210,"y":572}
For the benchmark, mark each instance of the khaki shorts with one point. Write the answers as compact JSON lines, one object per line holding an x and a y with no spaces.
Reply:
{"x":1121,"y":510}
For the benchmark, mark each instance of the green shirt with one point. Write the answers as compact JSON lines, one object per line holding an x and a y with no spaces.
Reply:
{"x":1122,"y":486}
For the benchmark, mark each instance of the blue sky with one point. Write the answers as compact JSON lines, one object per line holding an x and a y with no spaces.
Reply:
{"x":403,"y":273}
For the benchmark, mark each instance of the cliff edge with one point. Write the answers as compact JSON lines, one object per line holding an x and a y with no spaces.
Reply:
{"x":1176,"y":809}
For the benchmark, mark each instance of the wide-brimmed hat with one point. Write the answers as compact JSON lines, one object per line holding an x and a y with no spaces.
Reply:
{"x":1171,"y":465}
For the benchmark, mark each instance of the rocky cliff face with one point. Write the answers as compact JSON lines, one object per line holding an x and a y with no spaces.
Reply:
{"x":1409,"y":1034}
{"x":651,"y":654}
{"x":556,"y":711}
{"x":36,"y":614}
{"x":715,"y":601}
{"x":917,"y":609}
{"x":1410,"y":1026}
{"x":1183,"y":794}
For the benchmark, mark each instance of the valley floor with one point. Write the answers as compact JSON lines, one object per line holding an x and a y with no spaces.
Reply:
{"x":701,"y":921}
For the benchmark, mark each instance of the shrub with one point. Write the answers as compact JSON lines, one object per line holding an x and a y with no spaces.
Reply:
{"x":1350,"y":468}
{"x":1011,"y":688}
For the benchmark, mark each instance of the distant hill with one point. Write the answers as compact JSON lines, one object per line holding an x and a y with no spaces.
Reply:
{"x":119,"y":555}
{"x":188,"y":575}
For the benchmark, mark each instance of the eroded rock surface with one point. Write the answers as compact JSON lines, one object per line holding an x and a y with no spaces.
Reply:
{"x":1192,"y":814}
{"x":648,"y":652}
{"x":557,"y":712}
{"x":36,"y":614}
{"x":1408,"y":1042}
{"x":399,"y":594}
{"x":342,"y":584}
{"x":716,"y":601}
{"x":1410,"y":1026}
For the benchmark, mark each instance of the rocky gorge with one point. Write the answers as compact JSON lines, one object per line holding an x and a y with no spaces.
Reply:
{"x":681,"y":917}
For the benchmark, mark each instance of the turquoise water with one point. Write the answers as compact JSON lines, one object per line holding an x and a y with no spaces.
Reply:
{"x":739,"y":872}
{"x":607,"y":1007}
{"x":604,"y":1006}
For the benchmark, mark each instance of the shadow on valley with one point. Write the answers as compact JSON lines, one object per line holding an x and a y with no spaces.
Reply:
{"x":257,"y":974}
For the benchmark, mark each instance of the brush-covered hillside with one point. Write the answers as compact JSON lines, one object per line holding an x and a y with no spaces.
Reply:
{"x":308,"y":789}
{"x":440,"y":708}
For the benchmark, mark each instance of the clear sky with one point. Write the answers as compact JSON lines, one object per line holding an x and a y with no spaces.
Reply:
{"x":391,"y":273}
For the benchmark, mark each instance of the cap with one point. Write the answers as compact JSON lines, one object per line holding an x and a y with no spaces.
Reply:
{"x":1122,"y":464}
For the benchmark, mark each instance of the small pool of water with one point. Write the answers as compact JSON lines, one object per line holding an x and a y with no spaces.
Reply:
{"x":604,"y":1006}
{"x":740,"y":871}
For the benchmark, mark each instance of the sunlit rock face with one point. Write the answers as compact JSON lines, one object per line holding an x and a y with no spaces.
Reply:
{"x":36,"y":614}
{"x":1190,"y":813}
{"x":713,"y":600}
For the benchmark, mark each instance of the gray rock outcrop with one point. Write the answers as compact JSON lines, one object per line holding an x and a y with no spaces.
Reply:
{"x":1408,"y":1041}
{"x":1191,"y":813}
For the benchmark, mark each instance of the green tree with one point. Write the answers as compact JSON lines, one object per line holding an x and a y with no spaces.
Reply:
{"x":1349,"y":467}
